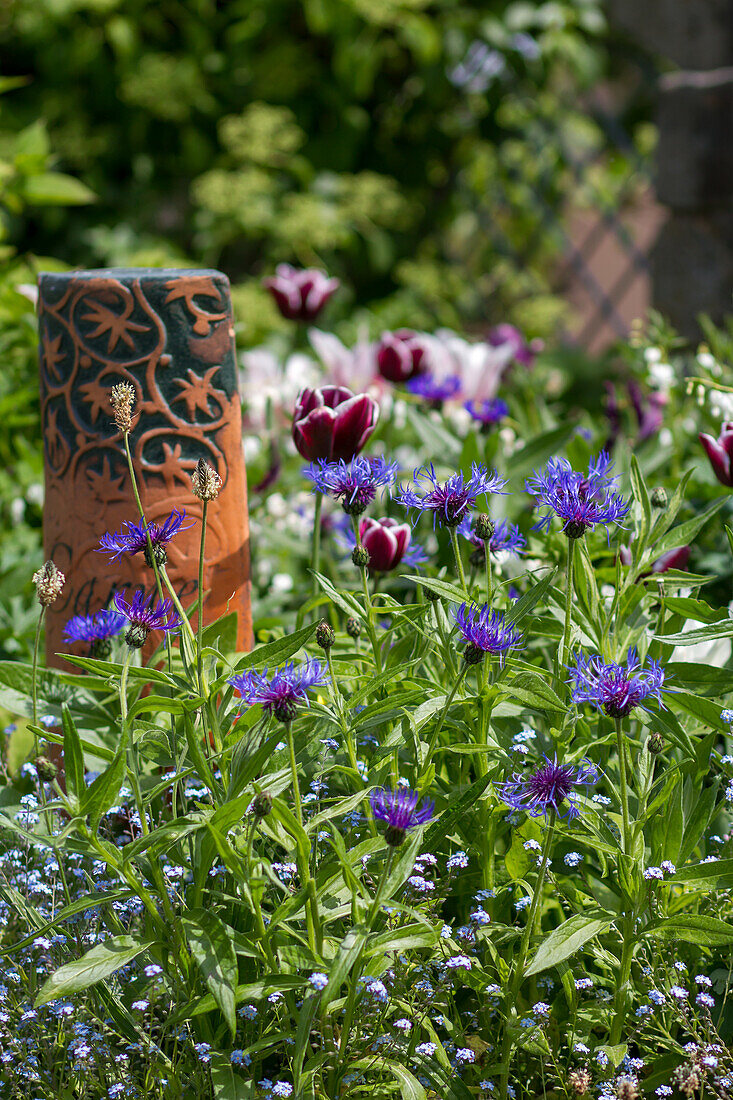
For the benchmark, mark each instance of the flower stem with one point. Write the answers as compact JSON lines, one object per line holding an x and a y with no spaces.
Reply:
{"x":443,"y":713}
{"x":368,"y":605}
{"x":34,"y":674}
{"x":315,"y":935}
{"x":623,"y":787}
{"x":459,"y":560}
{"x":518,"y":974}
{"x":356,"y":971}
{"x":568,"y":604}
{"x":487,"y":565}
{"x":619,"y":1003}
{"x":200,"y":631}
{"x":316,"y":544}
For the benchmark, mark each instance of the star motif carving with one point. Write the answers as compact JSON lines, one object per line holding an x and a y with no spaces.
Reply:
{"x":197,"y":391}
{"x":105,"y":487}
{"x":52,"y":354}
{"x":97,"y":396}
{"x":173,"y":469}
{"x":118,"y":325}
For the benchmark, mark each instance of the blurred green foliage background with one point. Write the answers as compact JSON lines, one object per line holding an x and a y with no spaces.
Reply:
{"x":395,"y":143}
{"x":366,"y":136}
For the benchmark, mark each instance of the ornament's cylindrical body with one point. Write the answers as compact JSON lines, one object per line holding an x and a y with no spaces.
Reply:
{"x":168,"y":333}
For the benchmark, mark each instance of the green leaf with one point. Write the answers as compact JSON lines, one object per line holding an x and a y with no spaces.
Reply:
{"x":274,"y":653}
{"x":693,"y":928}
{"x":103,"y":792}
{"x":571,"y":935}
{"x":448,"y":591}
{"x":349,"y":951}
{"x":213,"y":950}
{"x":228,"y":1085}
{"x":98,"y":963}
{"x":410,"y":1087}
{"x":91,"y":901}
{"x":718,"y":874}
{"x":709,"y":633}
{"x":57,"y":189}
{"x":522,"y":607}
{"x":686,"y":532}
{"x":699,"y":819}
{"x":642,"y":497}
{"x":533,"y":690}
{"x":73,"y":759}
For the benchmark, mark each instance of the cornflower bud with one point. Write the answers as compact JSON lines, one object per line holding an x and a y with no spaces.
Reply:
{"x":655,"y":744}
{"x":659,"y":497}
{"x":325,"y":635}
{"x":353,"y":627}
{"x":360,"y":557}
{"x":260,"y":805}
{"x":122,"y":399}
{"x":483,"y":528}
{"x":46,"y":768}
{"x":49,"y":582}
{"x":205,"y":482}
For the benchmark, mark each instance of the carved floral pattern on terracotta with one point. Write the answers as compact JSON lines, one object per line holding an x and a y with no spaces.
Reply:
{"x":169,"y":334}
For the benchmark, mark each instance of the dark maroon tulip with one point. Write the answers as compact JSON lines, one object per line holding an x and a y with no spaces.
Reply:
{"x":522,"y":352}
{"x":300,"y":295}
{"x":333,"y":423}
{"x":401,"y":355}
{"x":720,"y":453}
{"x":387,"y":542}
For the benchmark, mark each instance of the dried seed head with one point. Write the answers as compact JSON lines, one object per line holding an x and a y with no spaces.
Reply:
{"x":205,"y":482}
{"x":49,"y":582}
{"x":627,"y":1088}
{"x":579,"y":1080}
{"x":122,"y":400}
{"x":687,"y":1079}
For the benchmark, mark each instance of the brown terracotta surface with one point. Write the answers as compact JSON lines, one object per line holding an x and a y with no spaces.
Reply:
{"x":169,"y":334}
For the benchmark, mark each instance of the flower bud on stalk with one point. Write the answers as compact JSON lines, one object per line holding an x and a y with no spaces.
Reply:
{"x":47,"y":770}
{"x":483,"y":527}
{"x":325,"y":635}
{"x":49,"y":582}
{"x":122,"y":399}
{"x":261,"y":805}
{"x":205,"y":482}
{"x":655,"y":743}
{"x":659,"y":497}
{"x":353,"y":627}
{"x":360,"y":557}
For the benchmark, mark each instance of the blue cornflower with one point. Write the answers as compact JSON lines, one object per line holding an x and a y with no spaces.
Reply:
{"x":612,"y":688}
{"x":133,"y":539}
{"x":506,"y":537}
{"x":485,"y":632}
{"x":354,"y":483}
{"x":451,"y":501}
{"x":94,"y":629}
{"x":581,"y":501}
{"x":488,"y":412}
{"x":144,"y":615}
{"x":434,"y":390}
{"x":400,"y":811}
{"x":282,"y":691}
{"x":549,"y":788}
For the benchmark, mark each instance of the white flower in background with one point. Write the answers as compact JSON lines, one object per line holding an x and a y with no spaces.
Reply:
{"x":479,"y":366}
{"x":264,"y":377}
{"x":353,"y":367}
{"x":721,"y":404}
{"x":34,"y":493}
